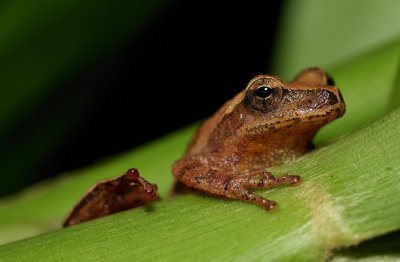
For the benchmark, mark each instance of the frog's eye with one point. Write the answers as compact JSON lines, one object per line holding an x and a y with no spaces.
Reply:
{"x":264,"y":92}
{"x":263,"y":97}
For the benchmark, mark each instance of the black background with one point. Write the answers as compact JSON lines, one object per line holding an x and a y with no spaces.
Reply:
{"x":179,"y":69}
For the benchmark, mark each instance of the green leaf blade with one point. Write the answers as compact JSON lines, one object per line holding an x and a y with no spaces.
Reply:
{"x":335,"y":206}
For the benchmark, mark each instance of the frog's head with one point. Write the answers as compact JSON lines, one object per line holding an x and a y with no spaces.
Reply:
{"x":272,"y":113}
{"x":311,"y":100}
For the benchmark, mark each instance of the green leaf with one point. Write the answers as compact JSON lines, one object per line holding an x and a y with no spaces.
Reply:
{"x":383,"y":248}
{"x":349,"y":189}
{"x":43,"y":207}
{"x":326,"y":33}
{"x":347,"y":196}
{"x":369,"y":87}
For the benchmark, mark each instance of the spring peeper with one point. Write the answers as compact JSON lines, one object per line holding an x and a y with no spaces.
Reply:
{"x":268,"y":123}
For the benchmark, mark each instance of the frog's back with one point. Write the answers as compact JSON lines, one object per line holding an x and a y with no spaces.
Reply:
{"x":201,"y":141}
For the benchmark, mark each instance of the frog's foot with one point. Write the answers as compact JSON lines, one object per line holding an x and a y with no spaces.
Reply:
{"x":238,"y":186}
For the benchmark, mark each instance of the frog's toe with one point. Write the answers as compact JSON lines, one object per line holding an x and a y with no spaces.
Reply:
{"x":258,"y":200}
{"x":268,"y":204}
{"x":289,"y":180}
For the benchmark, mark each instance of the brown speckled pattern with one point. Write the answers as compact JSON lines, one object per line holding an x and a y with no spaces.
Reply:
{"x":111,"y":196}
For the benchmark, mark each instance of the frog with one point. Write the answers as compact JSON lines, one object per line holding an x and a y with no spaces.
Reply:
{"x":267,"y":124}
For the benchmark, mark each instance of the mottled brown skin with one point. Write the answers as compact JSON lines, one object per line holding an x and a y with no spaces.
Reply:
{"x":111,"y":196}
{"x":268,"y":123}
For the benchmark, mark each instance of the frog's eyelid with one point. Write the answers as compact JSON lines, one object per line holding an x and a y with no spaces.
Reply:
{"x":265,"y":80}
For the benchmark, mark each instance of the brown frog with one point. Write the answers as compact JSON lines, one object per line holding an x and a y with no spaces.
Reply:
{"x":268,"y":123}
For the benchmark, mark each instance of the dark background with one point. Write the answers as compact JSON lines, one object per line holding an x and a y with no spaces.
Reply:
{"x":180,"y":67}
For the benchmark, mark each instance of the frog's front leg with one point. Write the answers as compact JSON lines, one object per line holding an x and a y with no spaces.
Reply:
{"x":234,"y":185}
{"x":237,"y":186}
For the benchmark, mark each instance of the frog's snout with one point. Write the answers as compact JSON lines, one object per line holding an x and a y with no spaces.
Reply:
{"x":341,"y":106}
{"x":340,"y":95}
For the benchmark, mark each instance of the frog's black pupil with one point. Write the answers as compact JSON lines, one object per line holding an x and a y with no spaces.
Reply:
{"x":264,"y":92}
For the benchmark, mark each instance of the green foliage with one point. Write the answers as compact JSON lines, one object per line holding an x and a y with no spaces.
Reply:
{"x":346,"y":197}
{"x":350,"y":182}
{"x":327,"y":33}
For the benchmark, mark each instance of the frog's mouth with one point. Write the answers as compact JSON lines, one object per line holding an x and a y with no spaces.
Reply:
{"x":315,"y":119}
{"x":328,"y":114}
